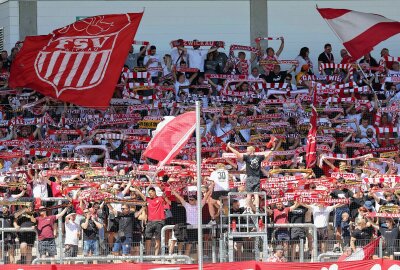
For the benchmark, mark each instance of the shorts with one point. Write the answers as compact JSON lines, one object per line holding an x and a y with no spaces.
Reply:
{"x":192,"y":235}
{"x":282,"y":235}
{"x":252,"y":184}
{"x":27,"y":237}
{"x":124,"y":243}
{"x":153,"y":228}
{"x":297,"y":233}
{"x":71,"y":250}
{"x":47,"y":247}
{"x":91,"y":245}
{"x":322,"y":234}
{"x":338,"y":215}
{"x":218,"y":194}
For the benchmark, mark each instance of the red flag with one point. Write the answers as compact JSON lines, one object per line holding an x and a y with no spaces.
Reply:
{"x":359,"y":31}
{"x":167,"y":143}
{"x":311,"y":147}
{"x":79,"y":63}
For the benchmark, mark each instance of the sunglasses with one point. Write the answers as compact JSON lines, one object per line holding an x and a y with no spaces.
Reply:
{"x":124,"y":208}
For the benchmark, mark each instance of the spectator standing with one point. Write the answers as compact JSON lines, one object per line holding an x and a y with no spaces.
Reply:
{"x":90,"y":226}
{"x":253,"y":172}
{"x":45,"y":228}
{"x":72,"y":235}
{"x":326,"y":57}
{"x":156,"y":218}
{"x":128,"y":235}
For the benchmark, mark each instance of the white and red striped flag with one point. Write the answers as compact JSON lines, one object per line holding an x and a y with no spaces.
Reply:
{"x":171,"y":138}
{"x":364,"y":253}
{"x":311,"y":147}
{"x":359,"y":31}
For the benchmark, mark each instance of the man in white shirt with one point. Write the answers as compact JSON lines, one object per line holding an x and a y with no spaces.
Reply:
{"x":197,"y":56}
{"x":152,"y":60}
{"x":191,"y":217}
{"x":220,"y":179}
{"x":321,"y":221}
{"x":72,"y":235}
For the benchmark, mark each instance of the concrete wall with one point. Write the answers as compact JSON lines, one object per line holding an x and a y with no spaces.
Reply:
{"x":9,"y":20}
{"x":163,"y":21}
{"x":302,"y":26}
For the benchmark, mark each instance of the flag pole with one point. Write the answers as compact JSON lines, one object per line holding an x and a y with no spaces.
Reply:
{"x":199,"y":198}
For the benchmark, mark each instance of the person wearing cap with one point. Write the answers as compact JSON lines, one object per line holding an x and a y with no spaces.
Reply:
{"x":72,"y":235}
{"x":191,"y":216}
{"x":45,"y":227}
{"x":278,"y":255}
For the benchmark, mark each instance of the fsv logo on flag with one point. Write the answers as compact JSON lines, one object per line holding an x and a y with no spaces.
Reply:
{"x":79,"y":63}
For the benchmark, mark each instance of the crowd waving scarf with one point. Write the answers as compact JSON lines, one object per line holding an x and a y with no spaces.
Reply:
{"x":70,"y":63}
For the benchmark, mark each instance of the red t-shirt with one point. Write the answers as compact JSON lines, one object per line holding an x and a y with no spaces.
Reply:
{"x":45,"y":227}
{"x":156,"y":209}
{"x":281,"y":216}
{"x":77,"y":208}
{"x":56,"y":189}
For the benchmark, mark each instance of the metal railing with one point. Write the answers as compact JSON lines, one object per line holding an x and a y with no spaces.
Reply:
{"x":213,"y":240}
{"x":187,"y":259}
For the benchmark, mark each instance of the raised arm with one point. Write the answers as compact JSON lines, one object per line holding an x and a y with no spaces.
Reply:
{"x":59,"y":215}
{"x":237,"y":153}
{"x":178,"y":197}
{"x":281,"y":47}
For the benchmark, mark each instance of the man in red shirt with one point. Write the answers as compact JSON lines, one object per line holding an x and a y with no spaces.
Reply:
{"x":155,"y":218}
{"x":45,"y":228}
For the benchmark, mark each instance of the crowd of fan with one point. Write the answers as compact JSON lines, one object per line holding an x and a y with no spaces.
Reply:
{"x":118,"y":199}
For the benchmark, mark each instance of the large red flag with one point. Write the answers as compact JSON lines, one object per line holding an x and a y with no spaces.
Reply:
{"x":359,"y":31}
{"x":79,"y":63}
{"x":311,"y":147}
{"x":172,"y":137}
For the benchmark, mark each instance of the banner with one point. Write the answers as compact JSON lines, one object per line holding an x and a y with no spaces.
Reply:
{"x":247,"y":265}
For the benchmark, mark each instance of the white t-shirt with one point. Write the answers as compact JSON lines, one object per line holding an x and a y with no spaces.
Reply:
{"x":321,"y":215}
{"x":191,"y":213}
{"x":178,"y":84}
{"x":221,"y":179}
{"x":71,"y":233}
{"x":155,"y":63}
{"x":39,"y":190}
{"x":197,"y":58}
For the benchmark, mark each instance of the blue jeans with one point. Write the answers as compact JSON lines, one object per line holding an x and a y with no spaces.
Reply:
{"x":126,"y":245}
{"x":91,"y":245}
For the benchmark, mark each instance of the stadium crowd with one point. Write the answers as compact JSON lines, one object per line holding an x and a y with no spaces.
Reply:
{"x":255,"y":120}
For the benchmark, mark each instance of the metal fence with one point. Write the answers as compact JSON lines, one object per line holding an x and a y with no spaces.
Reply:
{"x":221,"y":244}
